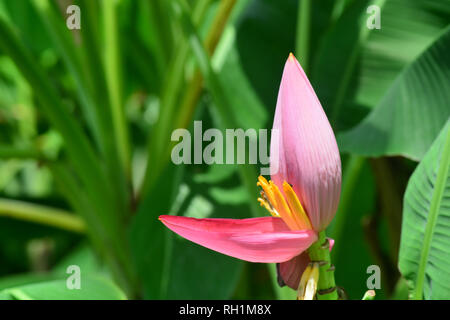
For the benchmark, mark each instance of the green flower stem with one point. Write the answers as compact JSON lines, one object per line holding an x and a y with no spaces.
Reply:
{"x":41,"y":214}
{"x":320,"y":252}
{"x":114,"y":83}
{"x":194,"y":90}
{"x":303,"y":31}
{"x":8,"y":152}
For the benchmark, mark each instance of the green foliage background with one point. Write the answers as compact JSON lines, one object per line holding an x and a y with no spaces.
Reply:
{"x":86,"y":117}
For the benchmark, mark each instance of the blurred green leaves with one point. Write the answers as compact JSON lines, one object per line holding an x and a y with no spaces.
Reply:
{"x":265,"y":34}
{"x":412,"y":112}
{"x":84,"y":159}
{"x":76,"y":132}
{"x":92,"y":288}
{"x":151,"y":245}
{"x":408,"y":28}
{"x":353,"y":72}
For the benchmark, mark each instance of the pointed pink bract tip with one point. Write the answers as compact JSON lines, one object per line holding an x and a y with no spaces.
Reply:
{"x":306,"y":155}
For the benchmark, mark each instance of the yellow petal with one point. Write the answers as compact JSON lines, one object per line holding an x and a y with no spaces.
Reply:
{"x":296,"y":207}
{"x":308,"y":283}
{"x":311,"y":286}
{"x":303,"y":282}
{"x":283,"y":208}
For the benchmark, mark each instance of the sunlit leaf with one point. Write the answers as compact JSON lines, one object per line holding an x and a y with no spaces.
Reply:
{"x":424,"y":251}
{"x":412,"y":112}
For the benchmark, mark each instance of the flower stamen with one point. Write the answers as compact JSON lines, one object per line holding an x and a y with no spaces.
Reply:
{"x":285,"y":205}
{"x":266,"y":203}
{"x":283,"y":208}
{"x":295,"y":206}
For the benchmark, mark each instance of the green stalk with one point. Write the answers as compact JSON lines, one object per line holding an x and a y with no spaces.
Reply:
{"x":320,"y":252}
{"x":436,"y":200}
{"x":93,"y":69}
{"x":160,"y":134}
{"x":114,"y":82}
{"x":302,"y":35}
{"x":193,"y":92}
{"x":8,"y":152}
{"x":218,"y":25}
{"x":118,"y":174}
{"x":41,"y":214}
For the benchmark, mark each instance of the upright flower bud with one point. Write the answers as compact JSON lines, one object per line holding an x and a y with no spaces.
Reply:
{"x":306,"y":154}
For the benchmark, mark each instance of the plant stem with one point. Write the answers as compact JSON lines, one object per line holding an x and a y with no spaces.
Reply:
{"x":302,"y":36}
{"x":114,"y":83}
{"x":8,"y":152}
{"x":194,"y":90}
{"x":320,"y":252}
{"x":41,"y":214}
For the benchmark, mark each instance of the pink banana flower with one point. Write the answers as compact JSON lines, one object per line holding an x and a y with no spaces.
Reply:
{"x":302,"y":198}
